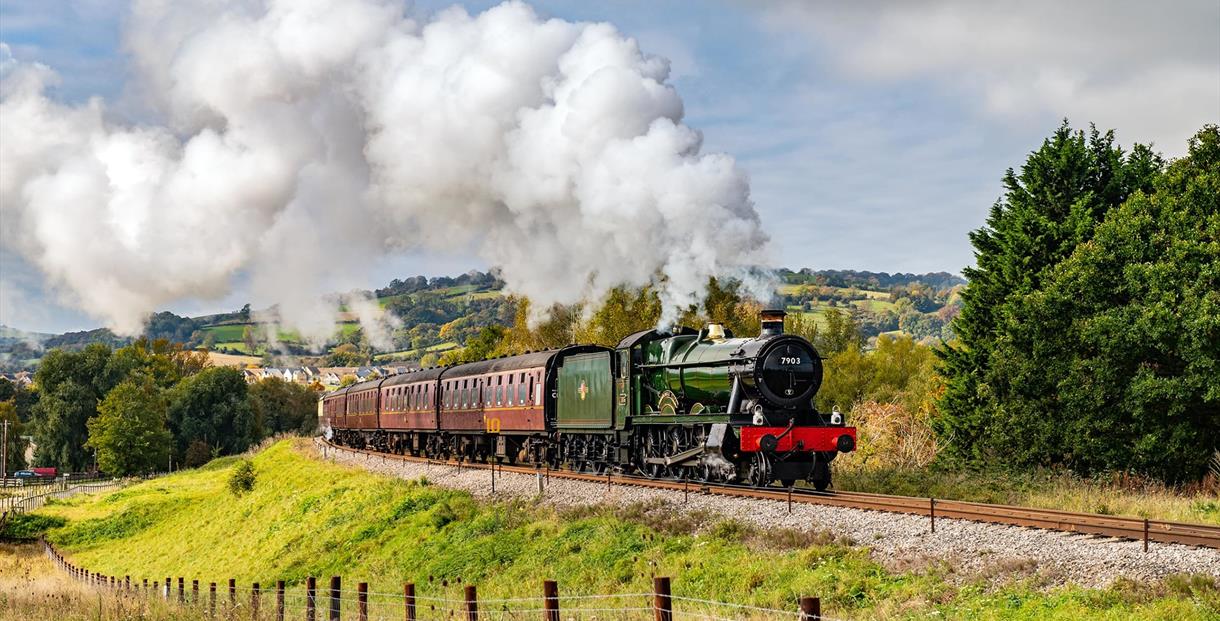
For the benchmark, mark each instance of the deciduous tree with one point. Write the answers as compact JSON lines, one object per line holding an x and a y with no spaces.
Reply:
{"x":129,"y":431}
{"x":283,"y":407}
{"x":212,"y":406}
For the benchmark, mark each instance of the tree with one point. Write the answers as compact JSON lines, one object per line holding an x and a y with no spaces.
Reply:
{"x":212,"y":406}
{"x":1062,"y":191}
{"x":283,"y":407}
{"x":249,"y":336}
{"x":556,"y":329}
{"x":1126,"y":333}
{"x":347,"y":380}
{"x":22,"y":398}
{"x":841,"y":333}
{"x":346,"y":355}
{"x":129,"y":431}
{"x":164,"y":362}
{"x":481,"y":347}
{"x":16,"y":443}
{"x":622,"y":312}
{"x":71,"y":385}
{"x":898,"y":371}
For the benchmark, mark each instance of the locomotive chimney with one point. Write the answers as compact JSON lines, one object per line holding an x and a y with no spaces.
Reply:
{"x":772,"y":322}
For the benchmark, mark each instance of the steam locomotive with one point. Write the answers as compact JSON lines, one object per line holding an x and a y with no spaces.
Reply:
{"x":700,"y":405}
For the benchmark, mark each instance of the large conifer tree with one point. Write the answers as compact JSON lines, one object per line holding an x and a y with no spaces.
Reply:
{"x":1054,"y":203}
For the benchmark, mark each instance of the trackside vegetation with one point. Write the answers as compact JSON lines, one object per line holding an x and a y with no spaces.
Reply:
{"x":309,"y":517}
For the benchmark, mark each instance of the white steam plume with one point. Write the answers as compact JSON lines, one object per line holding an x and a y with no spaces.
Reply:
{"x":297,"y":141}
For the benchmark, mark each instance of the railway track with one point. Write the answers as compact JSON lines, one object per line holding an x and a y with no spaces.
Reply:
{"x":1137,"y":529}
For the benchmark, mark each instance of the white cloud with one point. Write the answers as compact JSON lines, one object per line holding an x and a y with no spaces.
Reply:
{"x":1150,"y":70}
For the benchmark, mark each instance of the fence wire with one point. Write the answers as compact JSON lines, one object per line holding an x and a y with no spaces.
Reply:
{"x":267,"y":602}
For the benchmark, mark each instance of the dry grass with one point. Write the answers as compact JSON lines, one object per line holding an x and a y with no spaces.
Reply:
{"x":31,"y":587}
{"x":233,"y":360}
{"x":898,"y":456}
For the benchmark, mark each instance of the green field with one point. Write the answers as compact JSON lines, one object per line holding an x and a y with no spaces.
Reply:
{"x":308,"y":517}
{"x":227,"y":333}
{"x":416,"y":353}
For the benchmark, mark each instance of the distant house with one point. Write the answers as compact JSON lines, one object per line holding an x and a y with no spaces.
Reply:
{"x":252,"y":375}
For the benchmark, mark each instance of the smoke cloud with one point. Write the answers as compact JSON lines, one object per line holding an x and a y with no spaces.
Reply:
{"x":295,"y":142}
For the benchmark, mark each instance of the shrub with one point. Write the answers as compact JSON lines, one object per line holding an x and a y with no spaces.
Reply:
{"x":198,"y":454}
{"x":242,"y":479}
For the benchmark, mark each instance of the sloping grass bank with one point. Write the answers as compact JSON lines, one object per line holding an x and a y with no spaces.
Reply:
{"x":308,"y":517}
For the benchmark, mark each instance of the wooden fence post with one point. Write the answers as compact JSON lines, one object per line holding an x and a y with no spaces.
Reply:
{"x":334,"y":598}
{"x":472,"y":603}
{"x":362,"y":601}
{"x":811,"y":609}
{"x":194,"y":592}
{"x":408,"y":598}
{"x":181,"y":590}
{"x":279,"y":600}
{"x":662,"y":605}
{"x":254,"y":597}
{"x":311,"y":598}
{"x":550,"y":602}
{"x":212,"y":599}
{"x":232,"y":597}
{"x":932,"y":512}
{"x":169,"y":584}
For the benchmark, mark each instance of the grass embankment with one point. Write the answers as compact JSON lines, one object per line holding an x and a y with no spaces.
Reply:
{"x":1043,"y":489}
{"x":308,"y":517}
{"x":32,"y":588}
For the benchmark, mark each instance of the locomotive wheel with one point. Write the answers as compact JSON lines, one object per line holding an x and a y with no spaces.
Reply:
{"x":758,"y":471}
{"x":787,"y":482}
{"x":821,"y":484}
{"x":650,"y":449}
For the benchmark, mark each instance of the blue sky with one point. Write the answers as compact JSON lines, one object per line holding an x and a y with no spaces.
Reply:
{"x":875,"y":134}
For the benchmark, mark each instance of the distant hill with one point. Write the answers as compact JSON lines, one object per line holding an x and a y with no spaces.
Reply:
{"x":439,"y":313}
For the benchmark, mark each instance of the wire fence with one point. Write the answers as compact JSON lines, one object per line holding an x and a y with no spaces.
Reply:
{"x":335,"y":600}
{"x":23,"y":503}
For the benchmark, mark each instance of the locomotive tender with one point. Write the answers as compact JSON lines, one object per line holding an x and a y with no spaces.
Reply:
{"x":692,"y":404}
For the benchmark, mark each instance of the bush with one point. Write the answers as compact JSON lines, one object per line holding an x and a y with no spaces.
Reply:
{"x":242,"y":479}
{"x":198,"y":454}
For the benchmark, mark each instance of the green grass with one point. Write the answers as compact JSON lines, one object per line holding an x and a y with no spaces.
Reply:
{"x":238,"y":346}
{"x":309,"y":517}
{"x":874,"y":305}
{"x":227,"y":333}
{"x":390,"y":299}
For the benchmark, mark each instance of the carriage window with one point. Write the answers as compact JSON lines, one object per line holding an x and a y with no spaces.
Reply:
{"x":521,"y":394}
{"x":538,"y":394}
{"x":531,"y":388}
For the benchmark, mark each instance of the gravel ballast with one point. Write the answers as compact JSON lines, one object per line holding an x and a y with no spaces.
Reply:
{"x":900,"y":542}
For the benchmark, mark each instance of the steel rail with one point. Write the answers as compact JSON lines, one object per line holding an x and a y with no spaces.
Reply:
{"x":1137,"y":529}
